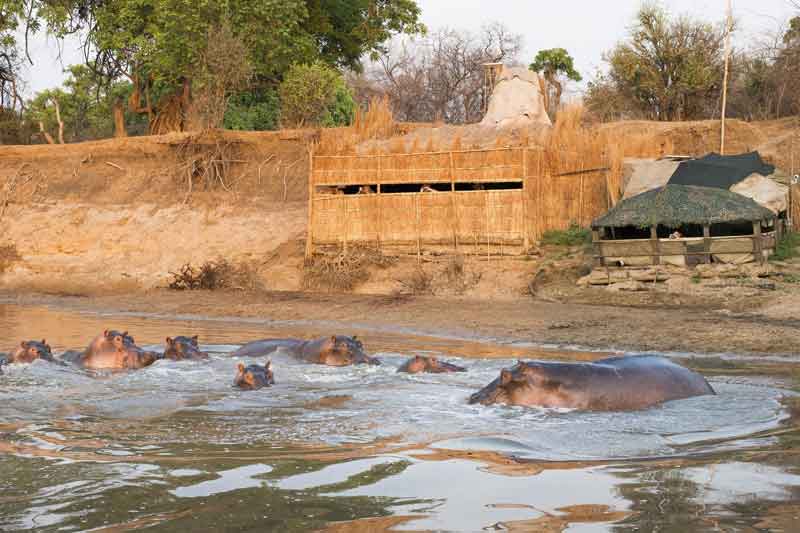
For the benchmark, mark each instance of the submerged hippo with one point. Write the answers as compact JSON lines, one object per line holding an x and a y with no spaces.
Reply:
{"x":254,"y":377}
{"x":615,"y":384}
{"x":113,"y":350}
{"x":30,"y":351}
{"x":182,"y":348}
{"x":332,"y":351}
{"x":421,"y":363}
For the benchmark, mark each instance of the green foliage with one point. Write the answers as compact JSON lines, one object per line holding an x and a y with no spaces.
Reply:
{"x":343,"y":109}
{"x":572,"y":236}
{"x":164,"y":38}
{"x":315,"y":94}
{"x":85,"y":104}
{"x":667,"y":69}
{"x":553,"y":62}
{"x":255,"y":111}
{"x":787,"y":247}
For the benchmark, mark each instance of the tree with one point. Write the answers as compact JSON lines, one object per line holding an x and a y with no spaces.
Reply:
{"x":439,"y":76}
{"x":315,"y":95}
{"x":668,"y":68}
{"x":552,"y":64}
{"x":157,"y":43}
{"x":224,"y":70}
{"x":81,"y":110}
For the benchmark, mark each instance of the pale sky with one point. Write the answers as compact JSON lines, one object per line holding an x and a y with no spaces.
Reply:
{"x":586,"y":28}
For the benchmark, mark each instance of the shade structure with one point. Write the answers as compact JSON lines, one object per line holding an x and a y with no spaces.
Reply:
{"x":676,"y":205}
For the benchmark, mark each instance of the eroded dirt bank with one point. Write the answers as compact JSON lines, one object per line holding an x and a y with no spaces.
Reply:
{"x":694,"y":329}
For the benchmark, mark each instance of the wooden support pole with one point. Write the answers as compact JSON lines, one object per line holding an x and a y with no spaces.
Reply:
{"x":728,"y":31}
{"x":419,"y":229}
{"x":597,"y":249}
{"x":656,"y":245}
{"x":758,"y":243}
{"x":525,"y":222}
{"x":310,"y":229}
{"x":453,"y":203}
{"x":707,"y":243}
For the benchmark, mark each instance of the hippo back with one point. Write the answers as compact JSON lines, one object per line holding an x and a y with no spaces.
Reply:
{"x":642,"y":380}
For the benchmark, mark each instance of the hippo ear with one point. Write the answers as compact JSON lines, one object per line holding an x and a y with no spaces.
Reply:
{"x":44,"y":342}
{"x":241,"y":368}
{"x":23,"y":345}
{"x":194,"y":340}
{"x":169,"y":341}
{"x":433,"y":359}
{"x":268,"y":366}
{"x":505,"y":377}
{"x":333,"y":339}
{"x":125,"y":333}
{"x":105,"y":333}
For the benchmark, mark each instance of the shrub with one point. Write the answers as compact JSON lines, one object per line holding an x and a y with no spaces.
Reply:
{"x":418,"y":282}
{"x":253,"y":111}
{"x":215,"y":275}
{"x":313,"y":95}
{"x":787,"y":246}
{"x":344,"y":271}
{"x":572,"y":236}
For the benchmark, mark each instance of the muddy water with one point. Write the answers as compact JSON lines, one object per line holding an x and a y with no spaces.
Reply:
{"x":175,"y":447}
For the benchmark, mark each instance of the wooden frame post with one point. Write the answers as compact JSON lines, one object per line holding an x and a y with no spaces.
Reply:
{"x":310,"y":228}
{"x":526,"y":242}
{"x":597,"y":249}
{"x":758,"y":243}
{"x":656,"y":245}
{"x":707,"y":243}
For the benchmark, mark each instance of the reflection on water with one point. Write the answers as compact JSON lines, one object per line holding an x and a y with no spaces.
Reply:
{"x":362,"y":447}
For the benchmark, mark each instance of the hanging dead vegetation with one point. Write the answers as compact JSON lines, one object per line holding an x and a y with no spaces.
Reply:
{"x":206,"y":161}
{"x":345,"y":270}
{"x":216,"y":275}
{"x":25,"y":185}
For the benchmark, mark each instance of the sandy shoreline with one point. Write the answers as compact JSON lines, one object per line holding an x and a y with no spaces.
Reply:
{"x":526,"y":320}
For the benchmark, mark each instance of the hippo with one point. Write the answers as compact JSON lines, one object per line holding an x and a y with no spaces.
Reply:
{"x":253,"y":377}
{"x":336,"y":350}
{"x":30,"y":351}
{"x":113,"y":350}
{"x":421,"y":363}
{"x":182,"y":348}
{"x":614,"y":384}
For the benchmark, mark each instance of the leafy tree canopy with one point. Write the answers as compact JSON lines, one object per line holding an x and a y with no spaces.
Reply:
{"x":554,"y":62}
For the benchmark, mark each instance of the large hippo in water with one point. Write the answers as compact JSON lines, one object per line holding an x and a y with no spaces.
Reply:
{"x":253,"y":377}
{"x":182,"y":348}
{"x":113,"y":350}
{"x":421,"y":363}
{"x":336,"y":350}
{"x":615,"y":384}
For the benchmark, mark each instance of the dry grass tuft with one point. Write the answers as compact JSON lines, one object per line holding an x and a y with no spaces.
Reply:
{"x":8,"y":256}
{"x":457,"y":277}
{"x":343,"y":271}
{"x":216,"y":275}
{"x":417,"y":283}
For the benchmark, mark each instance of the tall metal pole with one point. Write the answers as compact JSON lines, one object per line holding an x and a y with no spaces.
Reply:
{"x":728,"y":30}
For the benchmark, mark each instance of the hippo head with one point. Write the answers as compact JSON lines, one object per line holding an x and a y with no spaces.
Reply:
{"x":254,"y":377}
{"x":344,"y":351}
{"x":30,"y":351}
{"x":421,"y":363}
{"x":133,"y":356}
{"x":523,"y":384}
{"x":180,"y":348}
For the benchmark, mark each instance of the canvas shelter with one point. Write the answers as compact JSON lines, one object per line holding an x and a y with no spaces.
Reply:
{"x":746,"y":174}
{"x":712,"y":224}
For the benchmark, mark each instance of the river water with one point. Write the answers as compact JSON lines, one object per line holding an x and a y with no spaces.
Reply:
{"x":174,"y":447}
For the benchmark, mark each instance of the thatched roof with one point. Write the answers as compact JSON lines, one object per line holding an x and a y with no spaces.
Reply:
{"x":675,"y":205}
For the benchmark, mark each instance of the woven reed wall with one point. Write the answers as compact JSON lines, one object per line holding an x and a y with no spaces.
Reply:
{"x":548,"y":200}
